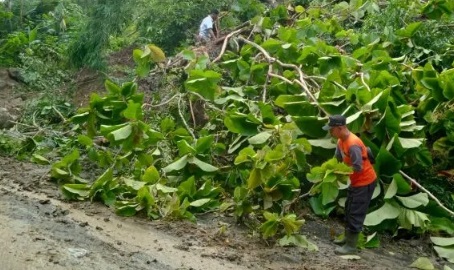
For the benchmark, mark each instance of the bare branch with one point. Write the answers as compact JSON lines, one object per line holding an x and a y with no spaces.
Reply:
{"x":224,"y":45}
{"x":270,"y":70}
{"x":182,"y":118}
{"x":428,"y":193}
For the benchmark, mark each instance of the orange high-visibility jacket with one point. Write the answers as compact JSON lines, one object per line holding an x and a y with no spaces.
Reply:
{"x":367,"y":175}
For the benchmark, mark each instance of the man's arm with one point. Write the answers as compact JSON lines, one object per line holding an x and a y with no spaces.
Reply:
{"x":213,"y":36}
{"x":356,"y":158}
{"x":338,"y":154}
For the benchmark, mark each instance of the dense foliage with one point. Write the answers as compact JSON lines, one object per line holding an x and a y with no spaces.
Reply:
{"x":260,"y":150}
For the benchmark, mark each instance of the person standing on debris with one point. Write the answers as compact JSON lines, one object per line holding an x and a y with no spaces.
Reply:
{"x":352,"y":151}
{"x":206,"y":32}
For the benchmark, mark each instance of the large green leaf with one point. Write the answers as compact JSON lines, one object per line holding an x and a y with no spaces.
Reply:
{"x":410,"y":142}
{"x":260,"y":138}
{"x":203,"y":144}
{"x":409,"y":30}
{"x":311,"y":125}
{"x":442,"y":241}
{"x":299,"y":241}
{"x":255,"y":178}
{"x":447,"y":83}
{"x":409,"y":219}
{"x":422,"y":263}
{"x":176,"y":165}
{"x":329,"y":193}
{"x":241,"y":124}
{"x":414,"y":201}
{"x":386,"y":163}
{"x":445,"y":252}
{"x":117,"y":132}
{"x":151,"y":175}
{"x":202,"y":165}
{"x":184,"y":148}
{"x":102,"y":181}
{"x":392,"y":190}
{"x":387,"y":211}
{"x":204,"y":83}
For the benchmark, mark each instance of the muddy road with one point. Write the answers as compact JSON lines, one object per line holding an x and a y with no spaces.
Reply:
{"x":39,"y":230}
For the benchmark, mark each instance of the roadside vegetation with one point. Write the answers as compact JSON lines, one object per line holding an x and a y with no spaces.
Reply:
{"x":236,"y":127}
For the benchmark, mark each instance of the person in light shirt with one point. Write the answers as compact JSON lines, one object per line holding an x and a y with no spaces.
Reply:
{"x":206,"y":32}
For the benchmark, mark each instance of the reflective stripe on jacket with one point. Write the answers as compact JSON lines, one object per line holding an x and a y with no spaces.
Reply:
{"x":367,"y":174}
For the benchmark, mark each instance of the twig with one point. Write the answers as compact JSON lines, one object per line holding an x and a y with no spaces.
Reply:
{"x":192,"y":113}
{"x":301,"y":80}
{"x":270,"y":70}
{"x":428,"y":192}
{"x":339,"y":85}
{"x":59,"y":113}
{"x":363,"y":81}
{"x":258,"y":47}
{"x":206,"y":102}
{"x":182,"y":118}
{"x":160,"y":104}
{"x":224,"y":45}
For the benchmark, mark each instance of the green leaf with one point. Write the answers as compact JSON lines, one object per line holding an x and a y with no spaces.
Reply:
{"x":276,"y":154}
{"x":386,"y":163}
{"x":127,"y":210}
{"x":112,"y":87}
{"x":318,"y":207}
{"x":119,"y":133}
{"x":403,"y":187}
{"x":203,"y":144}
{"x":184,"y":148}
{"x":409,"y":30}
{"x":423,"y":263}
{"x":38,"y":159}
{"x":165,"y":189}
{"x":387,"y":211}
{"x":200,"y":202}
{"x":299,"y":241}
{"x":136,"y":185}
{"x":323,"y":143}
{"x":442,"y":241}
{"x":414,"y":201}
{"x":156,"y":54}
{"x":392,"y":190}
{"x":76,"y":191}
{"x":203,"y":83}
{"x":151,"y":175}
{"x":99,"y":184}
{"x":260,"y":138}
{"x":85,"y":140}
{"x":255,"y":178}
{"x":311,"y":125}
{"x":445,"y":252}
{"x":177,"y":165}
{"x":329,"y":193}
{"x":269,"y":228}
{"x":410,"y":143}
{"x":133,"y":111}
{"x":202,"y":165}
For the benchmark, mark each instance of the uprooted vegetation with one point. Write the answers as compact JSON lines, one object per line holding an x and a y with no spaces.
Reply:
{"x":240,"y":131}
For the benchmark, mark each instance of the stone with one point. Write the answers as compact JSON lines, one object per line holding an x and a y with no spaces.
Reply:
{"x":6,"y":119}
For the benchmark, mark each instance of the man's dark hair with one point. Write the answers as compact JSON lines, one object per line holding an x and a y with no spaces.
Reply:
{"x":215,"y":11}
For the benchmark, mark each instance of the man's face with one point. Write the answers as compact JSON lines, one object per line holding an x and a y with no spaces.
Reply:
{"x":335,"y":132}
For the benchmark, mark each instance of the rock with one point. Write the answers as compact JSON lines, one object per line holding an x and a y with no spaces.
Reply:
{"x":78,"y":252}
{"x":6,"y":119}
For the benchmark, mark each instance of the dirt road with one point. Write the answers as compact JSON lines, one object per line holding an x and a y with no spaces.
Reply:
{"x":41,"y":231}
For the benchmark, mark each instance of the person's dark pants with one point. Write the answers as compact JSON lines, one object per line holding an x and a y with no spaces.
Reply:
{"x":356,"y":206}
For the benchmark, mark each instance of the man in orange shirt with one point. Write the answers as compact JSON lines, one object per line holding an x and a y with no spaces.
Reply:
{"x":352,"y":151}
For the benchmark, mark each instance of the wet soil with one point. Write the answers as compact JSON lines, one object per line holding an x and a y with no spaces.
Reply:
{"x":41,"y":231}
